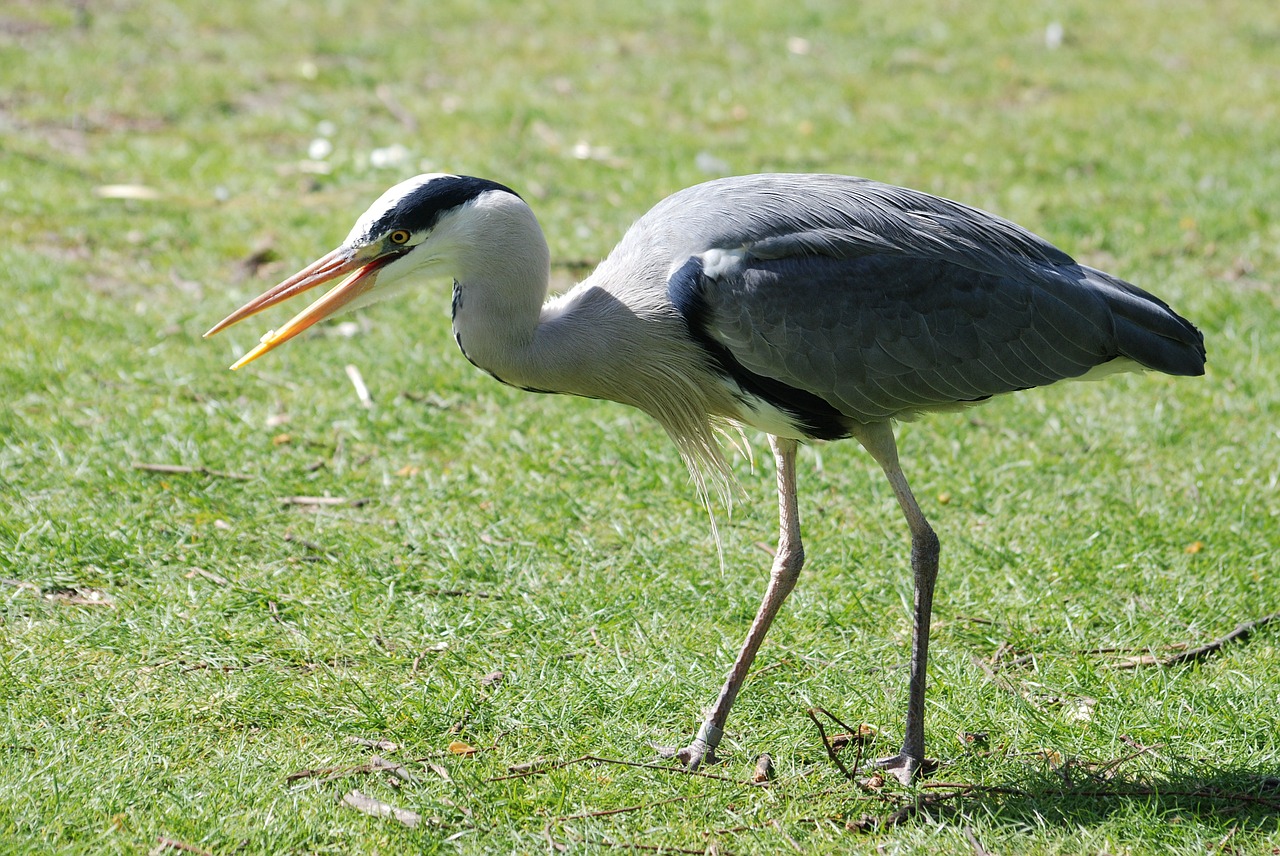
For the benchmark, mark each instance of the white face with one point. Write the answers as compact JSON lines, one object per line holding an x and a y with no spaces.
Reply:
{"x":421,"y":227}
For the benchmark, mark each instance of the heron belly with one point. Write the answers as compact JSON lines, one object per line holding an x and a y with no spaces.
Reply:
{"x":759,"y":412}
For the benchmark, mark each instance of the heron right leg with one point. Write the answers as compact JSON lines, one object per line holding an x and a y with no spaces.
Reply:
{"x":910,"y":761}
{"x":786,"y":570}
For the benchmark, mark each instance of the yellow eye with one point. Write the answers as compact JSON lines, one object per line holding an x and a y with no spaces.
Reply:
{"x":399,"y":236}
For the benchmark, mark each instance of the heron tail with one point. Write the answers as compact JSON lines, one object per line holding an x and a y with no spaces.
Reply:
{"x":1148,"y":331}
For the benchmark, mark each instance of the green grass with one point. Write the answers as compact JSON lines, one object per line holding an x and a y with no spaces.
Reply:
{"x":173,"y":647}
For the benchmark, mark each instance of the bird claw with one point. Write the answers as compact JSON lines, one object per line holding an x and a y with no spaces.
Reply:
{"x":692,"y":756}
{"x":701,"y":751}
{"x":904,"y":768}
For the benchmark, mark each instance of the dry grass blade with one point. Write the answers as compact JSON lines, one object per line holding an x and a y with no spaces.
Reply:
{"x":208,"y":575}
{"x":80,"y":597}
{"x":377,"y":808}
{"x":380,"y":745}
{"x":380,"y":764}
{"x":362,"y":391}
{"x":978,"y":849}
{"x":321,"y":501}
{"x":164,"y":844}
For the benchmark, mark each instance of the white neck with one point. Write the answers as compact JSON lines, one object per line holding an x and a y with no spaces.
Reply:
{"x":609,"y":337}
{"x":502,"y":268}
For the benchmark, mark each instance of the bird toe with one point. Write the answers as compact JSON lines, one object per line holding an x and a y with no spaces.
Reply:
{"x":904,"y":767}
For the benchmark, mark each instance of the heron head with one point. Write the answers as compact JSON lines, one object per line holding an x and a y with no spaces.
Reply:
{"x":407,"y":230}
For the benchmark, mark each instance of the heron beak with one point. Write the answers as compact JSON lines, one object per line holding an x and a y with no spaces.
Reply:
{"x":364,"y":273}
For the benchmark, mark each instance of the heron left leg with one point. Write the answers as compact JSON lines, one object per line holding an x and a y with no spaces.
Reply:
{"x":878,"y":440}
{"x":786,"y":570}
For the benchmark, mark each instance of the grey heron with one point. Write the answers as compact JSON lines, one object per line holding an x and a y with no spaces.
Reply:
{"x":810,"y":307}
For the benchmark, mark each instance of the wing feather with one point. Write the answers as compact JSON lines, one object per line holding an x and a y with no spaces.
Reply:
{"x":883,"y":302}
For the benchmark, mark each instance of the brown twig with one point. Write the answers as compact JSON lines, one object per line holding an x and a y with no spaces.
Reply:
{"x":1129,"y":741}
{"x":763,"y":770}
{"x":178,"y":469}
{"x":1093,"y":652}
{"x":612,"y":811}
{"x":648,"y":848}
{"x":380,"y":745}
{"x":376,"y":765}
{"x":330,"y":772}
{"x":680,"y":771}
{"x":867,"y":823}
{"x":826,"y":743}
{"x":382,"y":765}
{"x":1099,"y":793}
{"x":1105,"y":770}
{"x":582,"y":759}
{"x":1241,"y":631}
{"x":457,"y":593}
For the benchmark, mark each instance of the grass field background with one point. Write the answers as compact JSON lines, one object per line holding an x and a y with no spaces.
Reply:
{"x":174,"y":646}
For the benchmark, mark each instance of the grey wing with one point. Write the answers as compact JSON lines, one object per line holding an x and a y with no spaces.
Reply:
{"x":885,"y":336}
{"x":879,"y":335}
{"x":842,"y":298}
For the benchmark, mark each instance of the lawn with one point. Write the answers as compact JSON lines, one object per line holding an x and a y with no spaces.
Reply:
{"x":235,"y":605}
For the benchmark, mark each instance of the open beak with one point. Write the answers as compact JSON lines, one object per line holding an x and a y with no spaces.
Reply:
{"x":342,"y":261}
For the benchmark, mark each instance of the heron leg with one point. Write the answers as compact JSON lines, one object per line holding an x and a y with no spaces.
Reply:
{"x":879,"y":441}
{"x":786,"y":570}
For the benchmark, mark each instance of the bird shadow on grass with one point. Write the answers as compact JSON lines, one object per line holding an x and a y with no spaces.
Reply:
{"x":1240,"y":798}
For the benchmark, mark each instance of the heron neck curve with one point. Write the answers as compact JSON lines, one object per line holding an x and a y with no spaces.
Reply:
{"x":614,"y":336}
{"x":504,"y":325}
{"x":502,"y":321}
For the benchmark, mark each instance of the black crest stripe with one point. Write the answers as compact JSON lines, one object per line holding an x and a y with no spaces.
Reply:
{"x":421,"y":209}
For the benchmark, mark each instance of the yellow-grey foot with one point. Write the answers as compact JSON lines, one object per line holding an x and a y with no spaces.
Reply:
{"x":904,"y":768}
{"x":701,"y":751}
{"x":692,"y":756}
